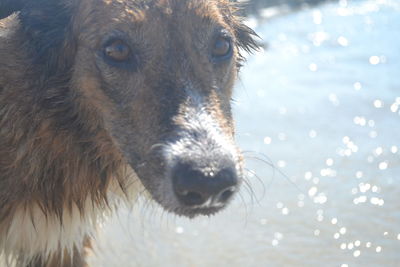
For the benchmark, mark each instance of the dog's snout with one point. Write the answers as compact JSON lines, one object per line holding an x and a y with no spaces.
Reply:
{"x":195,"y":187}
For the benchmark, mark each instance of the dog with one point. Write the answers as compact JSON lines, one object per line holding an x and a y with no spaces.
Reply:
{"x":103,"y":99}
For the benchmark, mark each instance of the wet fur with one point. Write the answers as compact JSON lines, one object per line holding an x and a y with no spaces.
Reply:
{"x":61,"y":166}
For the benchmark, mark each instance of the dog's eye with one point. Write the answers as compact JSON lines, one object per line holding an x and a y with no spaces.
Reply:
{"x":118,"y":51}
{"x":222,"y":48}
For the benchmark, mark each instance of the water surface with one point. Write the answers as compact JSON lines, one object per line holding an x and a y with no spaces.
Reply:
{"x":321,"y":105}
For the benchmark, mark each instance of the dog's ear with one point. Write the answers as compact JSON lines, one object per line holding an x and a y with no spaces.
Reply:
{"x":245,"y":36}
{"x":7,"y":7}
{"x":45,"y":29}
{"x":245,"y":40}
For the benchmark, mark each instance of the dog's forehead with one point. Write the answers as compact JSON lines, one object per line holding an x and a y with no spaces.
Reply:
{"x":141,"y":10}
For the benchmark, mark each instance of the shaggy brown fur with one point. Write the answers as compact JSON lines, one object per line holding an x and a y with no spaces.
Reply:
{"x":73,"y":125}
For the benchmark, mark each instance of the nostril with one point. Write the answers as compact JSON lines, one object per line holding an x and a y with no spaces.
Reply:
{"x":191,"y":198}
{"x":225,"y":195}
{"x":193,"y":187}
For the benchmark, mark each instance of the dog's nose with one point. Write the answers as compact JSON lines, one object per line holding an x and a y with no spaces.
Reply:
{"x":194,"y":187}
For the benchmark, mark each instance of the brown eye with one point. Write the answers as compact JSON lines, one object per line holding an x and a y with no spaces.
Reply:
{"x":117,"y":51}
{"x":222,"y":48}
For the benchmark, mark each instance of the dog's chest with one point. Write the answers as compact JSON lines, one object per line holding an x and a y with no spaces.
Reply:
{"x":32,"y":232}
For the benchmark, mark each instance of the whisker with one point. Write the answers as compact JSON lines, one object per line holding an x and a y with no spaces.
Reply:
{"x":247,"y":186}
{"x":269,"y":163}
{"x":245,"y":208}
{"x":251,"y":187}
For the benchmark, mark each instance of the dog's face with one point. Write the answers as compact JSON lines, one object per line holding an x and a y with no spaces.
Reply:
{"x":158,"y":76}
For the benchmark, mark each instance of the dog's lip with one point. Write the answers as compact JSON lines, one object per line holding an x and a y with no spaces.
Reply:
{"x":204,"y":210}
{"x":197,"y":211}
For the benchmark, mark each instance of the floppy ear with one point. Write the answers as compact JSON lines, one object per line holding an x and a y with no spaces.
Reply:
{"x":45,"y":29}
{"x":245,"y":36}
{"x":7,"y":7}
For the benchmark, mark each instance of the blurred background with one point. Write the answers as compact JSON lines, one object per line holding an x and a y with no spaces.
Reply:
{"x":318,"y":116}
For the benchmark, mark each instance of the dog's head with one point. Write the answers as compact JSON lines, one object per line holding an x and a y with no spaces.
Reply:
{"x":158,"y":76}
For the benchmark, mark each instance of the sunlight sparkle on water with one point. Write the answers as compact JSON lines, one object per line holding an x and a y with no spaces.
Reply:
{"x":357,"y":86}
{"x":320,"y":198}
{"x":383,"y":165}
{"x":377,"y":201}
{"x":312,"y":191}
{"x":329,"y":161}
{"x":336,"y":236}
{"x":394,"y":107}
{"x":312,"y":134}
{"x":378,"y":151}
{"x":360,"y":121}
{"x":281,"y":164}
{"x":328,"y":172}
{"x":351,"y":147}
{"x":360,"y":199}
{"x":317,"y":38}
{"x":317,"y":17}
{"x":267,"y":140}
{"x":356,"y":253}
{"x":334,"y":99}
{"x":342,"y":230}
{"x":374,"y":60}
{"x":373,"y":134}
{"x":343,"y":41}
{"x":364,"y":187}
{"x":179,"y":230}
{"x":285,"y":211}
{"x":378,"y":103}
{"x":313,"y":67}
{"x":278,"y":236}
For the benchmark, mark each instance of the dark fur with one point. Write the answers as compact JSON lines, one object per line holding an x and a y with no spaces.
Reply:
{"x":55,"y":148}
